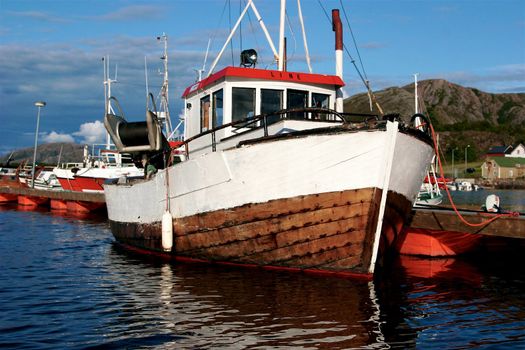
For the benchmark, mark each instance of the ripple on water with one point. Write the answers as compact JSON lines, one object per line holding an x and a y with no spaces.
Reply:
{"x":64,"y":285}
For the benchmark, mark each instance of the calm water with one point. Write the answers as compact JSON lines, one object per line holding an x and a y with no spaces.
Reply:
{"x":64,"y":285}
{"x":509,"y":199}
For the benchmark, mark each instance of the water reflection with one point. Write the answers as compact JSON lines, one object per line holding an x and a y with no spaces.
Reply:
{"x":63,"y":284}
{"x":207,"y":306}
{"x":455,"y":303}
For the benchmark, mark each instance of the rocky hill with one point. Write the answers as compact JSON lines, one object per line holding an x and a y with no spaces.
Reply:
{"x":447,"y":103}
{"x":462,"y":116}
{"x":47,"y":154}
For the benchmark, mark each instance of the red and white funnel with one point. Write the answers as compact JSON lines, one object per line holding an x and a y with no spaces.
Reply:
{"x":338,"y":29}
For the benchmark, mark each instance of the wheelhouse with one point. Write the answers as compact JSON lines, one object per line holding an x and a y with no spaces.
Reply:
{"x":235,"y":94}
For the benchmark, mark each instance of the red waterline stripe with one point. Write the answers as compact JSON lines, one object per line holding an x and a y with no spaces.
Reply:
{"x":184,"y":259}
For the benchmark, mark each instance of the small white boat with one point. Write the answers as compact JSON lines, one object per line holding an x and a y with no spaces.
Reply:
{"x":452,"y":186}
{"x":465,"y":186}
{"x":89,"y":176}
{"x":45,"y":180}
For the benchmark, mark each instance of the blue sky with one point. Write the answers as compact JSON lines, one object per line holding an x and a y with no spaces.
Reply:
{"x":51,"y":50}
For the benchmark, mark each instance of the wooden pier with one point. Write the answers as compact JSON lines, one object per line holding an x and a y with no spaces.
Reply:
{"x":58,"y":200}
{"x":438,"y":232}
{"x":445,"y":219}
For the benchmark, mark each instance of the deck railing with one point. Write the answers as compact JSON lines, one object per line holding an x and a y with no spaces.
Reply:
{"x":261,"y":121}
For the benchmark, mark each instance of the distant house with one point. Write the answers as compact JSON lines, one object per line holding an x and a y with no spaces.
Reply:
{"x":498,"y":151}
{"x":517,"y":152}
{"x":503,"y":168}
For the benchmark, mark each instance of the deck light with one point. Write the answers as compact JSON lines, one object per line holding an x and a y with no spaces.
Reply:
{"x":248,"y":58}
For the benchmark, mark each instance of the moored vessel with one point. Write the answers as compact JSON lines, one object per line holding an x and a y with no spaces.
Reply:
{"x":271,"y":173}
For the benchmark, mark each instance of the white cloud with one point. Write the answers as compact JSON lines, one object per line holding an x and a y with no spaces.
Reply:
{"x":53,"y":136}
{"x":94,"y":132}
{"x":133,"y":12}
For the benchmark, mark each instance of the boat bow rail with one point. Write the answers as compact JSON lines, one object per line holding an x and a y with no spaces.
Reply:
{"x":257,"y":129}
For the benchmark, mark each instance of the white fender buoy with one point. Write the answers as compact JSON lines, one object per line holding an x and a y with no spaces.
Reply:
{"x":492,"y":203}
{"x":167,"y":231}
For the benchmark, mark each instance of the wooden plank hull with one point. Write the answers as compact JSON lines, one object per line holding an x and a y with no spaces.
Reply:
{"x":324,"y":232}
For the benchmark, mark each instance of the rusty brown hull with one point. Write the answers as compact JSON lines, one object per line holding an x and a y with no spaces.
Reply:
{"x":325,"y":232}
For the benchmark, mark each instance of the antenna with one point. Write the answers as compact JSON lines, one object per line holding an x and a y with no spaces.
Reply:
{"x":147,"y":83}
{"x":203,"y":69}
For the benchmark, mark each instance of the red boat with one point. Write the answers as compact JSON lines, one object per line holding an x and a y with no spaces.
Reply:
{"x":440,"y":232}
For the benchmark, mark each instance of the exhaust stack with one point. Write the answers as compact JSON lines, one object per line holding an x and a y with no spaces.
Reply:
{"x":337,"y":27}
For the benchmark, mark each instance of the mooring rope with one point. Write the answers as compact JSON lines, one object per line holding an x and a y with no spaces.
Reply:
{"x":442,"y":173}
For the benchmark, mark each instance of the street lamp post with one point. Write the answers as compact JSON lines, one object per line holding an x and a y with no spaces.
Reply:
{"x":466,"y":158}
{"x":453,"y":168}
{"x":39,"y":104}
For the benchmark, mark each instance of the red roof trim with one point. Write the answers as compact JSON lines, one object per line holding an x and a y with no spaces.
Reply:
{"x":264,"y":74}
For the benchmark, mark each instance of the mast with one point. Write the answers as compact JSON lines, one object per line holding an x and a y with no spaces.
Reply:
{"x":276,"y":55}
{"x":306,"y":52}
{"x":281,"y":35}
{"x":107,"y":94}
{"x":415,"y":94}
{"x":164,"y":113}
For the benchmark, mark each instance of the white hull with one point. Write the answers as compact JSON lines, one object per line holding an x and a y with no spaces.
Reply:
{"x":110,"y":172}
{"x":271,"y":170}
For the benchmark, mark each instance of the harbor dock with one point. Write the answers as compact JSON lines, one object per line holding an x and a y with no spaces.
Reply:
{"x":445,"y":219}
{"x":58,"y":200}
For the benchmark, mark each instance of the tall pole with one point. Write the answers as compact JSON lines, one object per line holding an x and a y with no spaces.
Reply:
{"x":39,"y":104}
{"x":415,"y":94}
{"x":466,"y":158}
{"x":281,"y":35}
{"x":453,"y":169}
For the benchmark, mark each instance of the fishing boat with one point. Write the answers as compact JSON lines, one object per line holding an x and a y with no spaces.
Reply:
{"x":89,"y":176}
{"x":271,"y":173}
{"x":9,"y":178}
{"x":102,"y":163}
{"x":429,"y":192}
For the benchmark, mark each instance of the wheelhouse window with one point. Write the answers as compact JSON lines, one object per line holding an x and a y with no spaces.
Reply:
{"x":320,"y":101}
{"x":217,"y":111}
{"x":271,"y":101}
{"x":243,"y":103}
{"x":205,"y":113}
{"x":297,"y":99}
